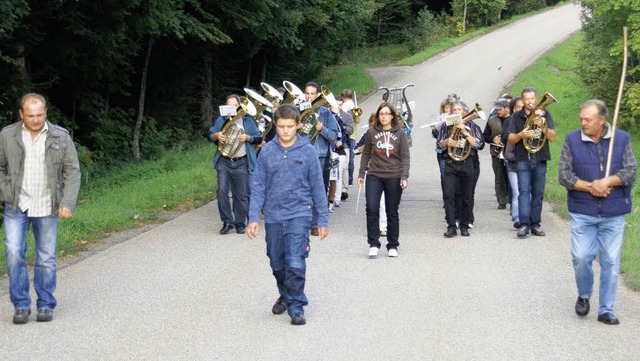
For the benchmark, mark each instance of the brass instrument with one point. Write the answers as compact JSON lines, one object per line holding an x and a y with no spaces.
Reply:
{"x":308,"y":117}
{"x":356,"y":112}
{"x":293,"y":94}
{"x":231,"y":130}
{"x":261,"y":103}
{"x":272,"y":94}
{"x":537,"y":123}
{"x":462,"y":149}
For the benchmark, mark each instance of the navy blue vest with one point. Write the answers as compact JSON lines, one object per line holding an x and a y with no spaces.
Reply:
{"x":589,"y":163}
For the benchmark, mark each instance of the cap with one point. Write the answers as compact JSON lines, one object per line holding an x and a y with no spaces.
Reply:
{"x":501,"y":103}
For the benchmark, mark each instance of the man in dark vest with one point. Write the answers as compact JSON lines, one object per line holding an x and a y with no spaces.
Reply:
{"x":597,"y":203}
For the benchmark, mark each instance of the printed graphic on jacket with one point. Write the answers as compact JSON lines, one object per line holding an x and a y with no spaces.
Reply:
{"x":384,"y":142}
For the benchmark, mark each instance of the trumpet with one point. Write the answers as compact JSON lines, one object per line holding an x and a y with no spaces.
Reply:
{"x":231,"y":130}
{"x":537,"y":123}
{"x":462,"y":149}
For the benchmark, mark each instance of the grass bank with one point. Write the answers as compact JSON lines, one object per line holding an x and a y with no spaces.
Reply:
{"x":555,"y":72}
{"x":134,"y":195}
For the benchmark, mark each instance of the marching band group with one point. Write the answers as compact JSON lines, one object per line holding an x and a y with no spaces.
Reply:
{"x":265,"y":130}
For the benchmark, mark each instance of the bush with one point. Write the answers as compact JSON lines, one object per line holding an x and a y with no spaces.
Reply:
{"x":429,"y":28}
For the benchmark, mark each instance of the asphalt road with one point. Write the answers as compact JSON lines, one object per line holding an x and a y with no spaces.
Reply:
{"x":181,"y":291}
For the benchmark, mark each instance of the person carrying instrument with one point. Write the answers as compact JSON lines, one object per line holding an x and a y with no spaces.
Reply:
{"x":459,"y":172}
{"x":349,"y":106}
{"x":492,"y":134}
{"x":531,"y":167}
{"x":287,"y":186}
{"x":327,"y":134}
{"x":233,"y":172}
{"x":597,"y":203}
{"x":386,"y":161}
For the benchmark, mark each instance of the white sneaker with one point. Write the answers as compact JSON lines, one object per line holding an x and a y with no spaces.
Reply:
{"x":457,"y":224}
{"x":393,"y":252}
{"x":373,"y":252}
{"x":470,"y":225}
{"x":331,"y":208}
{"x":336,"y":203}
{"x":383,"y":233}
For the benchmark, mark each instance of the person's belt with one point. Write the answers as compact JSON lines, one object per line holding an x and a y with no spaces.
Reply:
{"x":236,"y":158}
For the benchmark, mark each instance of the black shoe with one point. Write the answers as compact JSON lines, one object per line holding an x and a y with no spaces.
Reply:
{"x":537,"y":231}
{"x":314,"y":231}
{"x":240,"y":230}
{"x":502,"y":206}
{"x":344,"y":196}
{"x":582,"y":306}
{"x":516,"y":225}
{"x":280,"y":306}
{"x":21,"y":316}
{"x":298,"y":319}
{"x":608,"y":318}
{"x":44,"y":315}
{"x":464,"y":232}
{"x":451,"y":232}
{"x":226,"y":228}
{"x":523,"y":231}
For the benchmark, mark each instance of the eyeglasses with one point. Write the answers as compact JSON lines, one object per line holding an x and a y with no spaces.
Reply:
{"x":384,"y":113}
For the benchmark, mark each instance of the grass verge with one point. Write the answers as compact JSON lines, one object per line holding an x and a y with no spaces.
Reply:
{"x":556,"y":73}
{"x":134,"y":195}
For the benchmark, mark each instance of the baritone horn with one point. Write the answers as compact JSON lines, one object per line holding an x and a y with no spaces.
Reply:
{"x":538,"y":123}
{"x":462,"y":149}
{"x":309,"y":118}
{"x":231,"y":130}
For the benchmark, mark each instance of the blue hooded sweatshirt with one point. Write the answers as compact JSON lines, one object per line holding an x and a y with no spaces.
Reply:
{"x":287,"y":183}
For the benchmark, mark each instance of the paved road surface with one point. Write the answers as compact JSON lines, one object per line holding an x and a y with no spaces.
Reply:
{"x":181,"y":291}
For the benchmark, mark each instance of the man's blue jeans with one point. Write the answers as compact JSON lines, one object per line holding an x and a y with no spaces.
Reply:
{"x":45,"y":229}
{"x":234,"y":174}
{"x":590,"y":234}
{"x":531,"y":178}
{"x":288,"y":248}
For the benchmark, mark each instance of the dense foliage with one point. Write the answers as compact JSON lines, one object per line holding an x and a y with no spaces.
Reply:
{"x":601,"y":55}
{"x":134,"y":78}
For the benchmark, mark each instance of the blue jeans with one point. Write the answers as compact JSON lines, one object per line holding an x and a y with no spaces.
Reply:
{"x":590,"y":234}
{"x":45,"y":229}
{"x":513,"y":186}
{"x":234,"y":174}
{"x":352,"y":149}
{"x":374,"y":188}
{"x":531,"y":177}
{"x":288,"y":248}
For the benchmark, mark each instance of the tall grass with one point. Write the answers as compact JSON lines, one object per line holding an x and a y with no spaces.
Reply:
{"x":556,"y":72}
{"x":134,"y":195}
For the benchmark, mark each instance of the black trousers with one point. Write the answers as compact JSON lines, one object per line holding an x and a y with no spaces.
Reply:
{"x":460,"y":173}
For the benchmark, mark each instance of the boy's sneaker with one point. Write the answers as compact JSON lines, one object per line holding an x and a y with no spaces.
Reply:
{"x":393,"y":252}
{"x":373,"y":252}
{"x":21,"y":316}
{"x":298,"y":319}
{"x":280,"y":306}
{"x":331,"y":210}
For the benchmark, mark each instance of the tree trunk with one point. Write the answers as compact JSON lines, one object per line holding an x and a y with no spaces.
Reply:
{"x":143,"y":90}
{"x":263,"y":71}
{"x":464,"y":18}
{"x":247,"y":81}
{"x":206,"y":106}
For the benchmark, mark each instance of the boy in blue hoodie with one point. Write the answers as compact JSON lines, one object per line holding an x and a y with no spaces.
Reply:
{"x":287,"y":187}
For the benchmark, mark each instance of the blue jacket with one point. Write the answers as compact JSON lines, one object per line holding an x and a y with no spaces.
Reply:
{"x":329,"y":133}
{"x":588,"y":160}
{"x":287,"y":183}
{"x":250,"y":128}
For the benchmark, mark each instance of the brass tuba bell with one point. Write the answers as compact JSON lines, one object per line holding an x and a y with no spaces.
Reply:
{"x":231,"y":130}
{"x":293,"y":95}
{"x":538,"y":123}
{"x":462,"y":149}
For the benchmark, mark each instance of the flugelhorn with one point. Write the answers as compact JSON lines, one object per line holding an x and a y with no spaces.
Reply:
{"x":231,"y":130}
{"x":538,"y":123}
{"x":462,"y":149}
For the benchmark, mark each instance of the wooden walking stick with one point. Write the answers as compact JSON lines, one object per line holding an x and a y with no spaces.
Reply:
{"x":615,"y":112}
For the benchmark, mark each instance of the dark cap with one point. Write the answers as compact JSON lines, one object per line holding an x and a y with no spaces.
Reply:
{"x":501,"y":103}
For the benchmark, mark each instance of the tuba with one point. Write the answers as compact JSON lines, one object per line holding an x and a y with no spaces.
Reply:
{"x":231,"y":130}
{"x":272,"y":94}
{"x":261,"y":104}
{"x":537,"y":123}
{"x":308,"y":117}
{"x":462,"y":149}
{"x":293,"y":95}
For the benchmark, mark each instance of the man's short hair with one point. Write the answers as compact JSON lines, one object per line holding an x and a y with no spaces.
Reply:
{"x":599,"y":104}
{"x":287,"y":111}
{"x":313,"y":84}
{"x":340,"y":98}
{"x":35,"y":96}
{"x":528,"y":89}
{"x":347,"y":93}
{"x":234,"y":96}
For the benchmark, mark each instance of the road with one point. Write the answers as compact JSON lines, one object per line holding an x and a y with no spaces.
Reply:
{"x":180,"y":291}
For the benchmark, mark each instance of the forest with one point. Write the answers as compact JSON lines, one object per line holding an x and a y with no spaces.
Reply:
{"x":132,"y":79}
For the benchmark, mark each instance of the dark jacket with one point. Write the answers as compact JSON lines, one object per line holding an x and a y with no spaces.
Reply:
{"x":386,"y":153}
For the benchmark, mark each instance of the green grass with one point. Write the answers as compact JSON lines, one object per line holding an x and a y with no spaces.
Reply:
{"x":133,"y":196}
{"x":555,"y":72}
